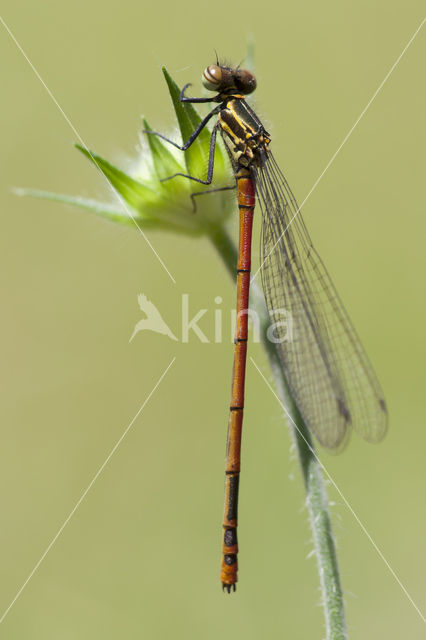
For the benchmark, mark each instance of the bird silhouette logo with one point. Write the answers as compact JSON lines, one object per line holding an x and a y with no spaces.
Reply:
{"x":153,"y":320}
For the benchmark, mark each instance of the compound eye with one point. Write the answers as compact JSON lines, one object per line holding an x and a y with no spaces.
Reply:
{"x":212,"y":77}
{"x":245,"y":81}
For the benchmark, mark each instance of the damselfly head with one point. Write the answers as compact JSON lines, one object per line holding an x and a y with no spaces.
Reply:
{"x":226,"y":80}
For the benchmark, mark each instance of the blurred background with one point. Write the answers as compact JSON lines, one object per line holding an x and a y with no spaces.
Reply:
{"x":140,"y":557}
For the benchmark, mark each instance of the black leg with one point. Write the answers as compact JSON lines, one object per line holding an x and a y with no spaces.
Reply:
{"x":208,"y":192}
{"x":193,"y":136}
{"x":209,"y":178}
{"x":182,"y":98}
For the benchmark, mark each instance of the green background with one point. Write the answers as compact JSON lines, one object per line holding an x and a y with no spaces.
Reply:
{"x":140,"y":556}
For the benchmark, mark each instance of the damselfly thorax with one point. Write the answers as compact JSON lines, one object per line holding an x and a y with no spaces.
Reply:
{"x":242,"y":132}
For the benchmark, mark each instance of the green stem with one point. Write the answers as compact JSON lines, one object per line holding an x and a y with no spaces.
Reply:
{"x":316,"y":496}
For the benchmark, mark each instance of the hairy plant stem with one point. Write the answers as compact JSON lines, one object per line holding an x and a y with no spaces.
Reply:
{"x":316,"y":496}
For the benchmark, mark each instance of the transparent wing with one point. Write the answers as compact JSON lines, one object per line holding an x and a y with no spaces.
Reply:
{"x":327,"y":369}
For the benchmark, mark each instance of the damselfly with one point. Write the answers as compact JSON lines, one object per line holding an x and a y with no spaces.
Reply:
{"x":325,"y":365}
